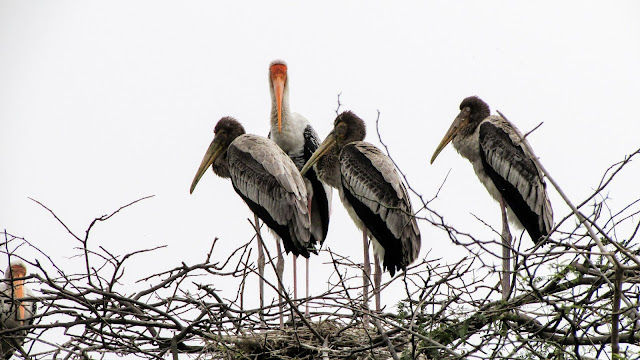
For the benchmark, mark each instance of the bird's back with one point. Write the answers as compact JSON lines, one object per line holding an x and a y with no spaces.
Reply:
{"x":375,"y":190}
{"x":269,"y":182}
{"x":509,"y":164}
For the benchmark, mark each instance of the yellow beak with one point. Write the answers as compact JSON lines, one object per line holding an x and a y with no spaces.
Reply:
{"x":455,"y":128}
{"x":213,"y":152}
{"x":18,"y":271}
{"x":278,"y":88}
{"x":326,"y":145}
{"x":278,"y":78}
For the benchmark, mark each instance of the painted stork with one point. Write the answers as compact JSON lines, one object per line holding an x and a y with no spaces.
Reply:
{"x":502,"y":160}
{"x":266,"y":179}
{"x":15,"y":312}
{"x":297,"y":138}
{"x":372,"y":192}
{"x":494,"y":147}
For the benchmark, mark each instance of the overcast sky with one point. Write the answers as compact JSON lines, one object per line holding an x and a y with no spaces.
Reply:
{"x":104,"y":103}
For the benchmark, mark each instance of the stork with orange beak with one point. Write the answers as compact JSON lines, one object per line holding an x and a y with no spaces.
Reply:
{"x":297,"y":138}
{"x":15,"y":312}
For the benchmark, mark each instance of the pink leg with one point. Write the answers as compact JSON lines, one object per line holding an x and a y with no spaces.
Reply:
{"x":365,"y":278}
{"x":306,"y":310}
{"x":295,"y":278}
{"x":506,"y":252}
{"x":260,"y":267}
{"x":279,"y":273}
{"x":377,"y":280}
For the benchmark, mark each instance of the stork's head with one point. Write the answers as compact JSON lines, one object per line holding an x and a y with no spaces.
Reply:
{"x":278,"y":85}
{"x":347,"y":127}
{"x":472,"y":111}
{"x":226,"y":130}
{"x":476,"y":109}
{"x":17,"y":269}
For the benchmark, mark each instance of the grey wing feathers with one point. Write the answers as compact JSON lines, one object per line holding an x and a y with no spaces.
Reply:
{"x":263,"y":173}
{"x":502,"y":150}
{"x":377,"y":184}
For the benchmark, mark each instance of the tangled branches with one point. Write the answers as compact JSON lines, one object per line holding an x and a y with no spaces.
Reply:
{"x":568,"y":300}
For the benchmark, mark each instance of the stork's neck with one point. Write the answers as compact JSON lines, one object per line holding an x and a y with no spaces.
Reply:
{"x":328,"y":169}
{"x":221,"y":166}
{"x":466,"y":143}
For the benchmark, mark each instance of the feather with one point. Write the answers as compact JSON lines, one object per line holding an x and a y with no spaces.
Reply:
{"x":373,"y":187}
{"x":266,"y":178}
{"x":515,"y":175}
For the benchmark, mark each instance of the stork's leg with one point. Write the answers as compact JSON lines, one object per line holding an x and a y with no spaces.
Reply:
{"x":377,"y":280}
{"x":295,"y":277}
{"x":306,"y":308}
{"x":506,"y":252}
{"x":260,"y":267}
{"x":306,"y":282}
{"x":280,"y":271}
{"x":366,"y":276}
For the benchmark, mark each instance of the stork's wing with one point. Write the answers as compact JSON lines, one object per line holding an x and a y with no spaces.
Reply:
{"x":516,"y":176}
{"x":321,"y":197}
{"x":375,"y":190}
{"x":268,"y":181}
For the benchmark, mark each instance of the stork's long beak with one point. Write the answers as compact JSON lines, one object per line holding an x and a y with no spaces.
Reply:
{"x":278,"y":78}
{"x":214,"y":150}
{"x":18,"y":271}
{"x":326,"y":145}
{"x":456,"y":126}
{"x":278,"y":88}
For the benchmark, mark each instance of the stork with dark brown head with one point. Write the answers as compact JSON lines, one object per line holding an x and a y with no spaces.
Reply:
{"x":372,"y":191}
{"x":265,"y":178}
{"x":504,"y":165}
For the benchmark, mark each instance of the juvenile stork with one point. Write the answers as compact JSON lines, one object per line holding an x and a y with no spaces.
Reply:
{"x":504,"y":165}
{"x":15,"y":311}
{"x":293,"y":133}
{"x":372,"y":192}
{"x":266,"y":179}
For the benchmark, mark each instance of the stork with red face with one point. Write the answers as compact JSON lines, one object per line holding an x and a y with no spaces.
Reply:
{"x":15,"y":312}
{"x":297,"y":138}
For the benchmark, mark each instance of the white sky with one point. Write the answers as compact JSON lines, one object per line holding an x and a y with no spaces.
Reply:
{"x":104,"y":103}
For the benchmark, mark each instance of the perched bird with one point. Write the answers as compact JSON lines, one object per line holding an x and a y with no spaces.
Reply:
{"x":15,"y":311}
{"x":495,"y":148}
{"x":372,"y":192}
{"x":266,"y":179}
{"x":297,"y":138}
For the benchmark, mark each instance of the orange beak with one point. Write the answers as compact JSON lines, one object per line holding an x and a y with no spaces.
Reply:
{"x":18,"y":271}
{"x":279,"y":78}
